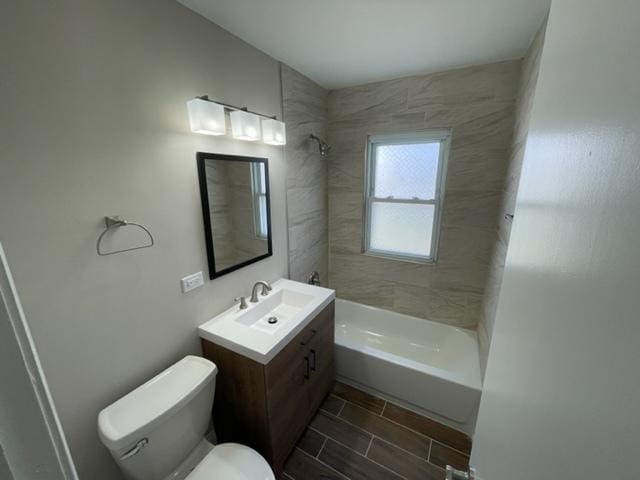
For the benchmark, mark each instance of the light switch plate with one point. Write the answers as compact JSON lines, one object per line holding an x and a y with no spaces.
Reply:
{"x":191,"y":282}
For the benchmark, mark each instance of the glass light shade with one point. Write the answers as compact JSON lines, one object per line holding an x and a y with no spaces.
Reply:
{"x":206,"y":117}
{"x":273,"y":132}
{"x":245,"y":126}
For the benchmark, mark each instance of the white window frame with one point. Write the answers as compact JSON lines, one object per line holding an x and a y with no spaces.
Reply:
{"x":432,"y":136}
{"x":256,"y":187}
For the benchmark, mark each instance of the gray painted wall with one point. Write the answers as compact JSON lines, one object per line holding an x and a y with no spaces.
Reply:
{"x":562,"y":390}
{"x":94,"y":123}
{"x":478,"y":105}
{"x":528,"y":81}
{"x":305,"y":112}
{"x":5,"y":473}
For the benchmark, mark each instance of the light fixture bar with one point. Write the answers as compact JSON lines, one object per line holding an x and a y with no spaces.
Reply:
{"x":234,"y":108}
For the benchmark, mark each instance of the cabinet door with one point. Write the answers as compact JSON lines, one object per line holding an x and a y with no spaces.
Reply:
{"x":287,"y":399}
{"x":291,"y":376}
{"x":321,"y":365}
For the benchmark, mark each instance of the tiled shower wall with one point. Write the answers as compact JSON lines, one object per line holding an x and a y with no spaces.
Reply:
{"x":304,"y":106}
{"x":477,"y":104}
{"x":528,"y":82}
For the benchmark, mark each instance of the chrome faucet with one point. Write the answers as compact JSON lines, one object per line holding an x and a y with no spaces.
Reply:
{"x":266,"y":288}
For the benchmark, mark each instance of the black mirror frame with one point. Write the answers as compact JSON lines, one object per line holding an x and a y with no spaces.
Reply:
{"x":201,"y":158}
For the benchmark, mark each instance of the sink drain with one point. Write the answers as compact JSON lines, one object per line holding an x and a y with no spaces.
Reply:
{"x":272,"y":320}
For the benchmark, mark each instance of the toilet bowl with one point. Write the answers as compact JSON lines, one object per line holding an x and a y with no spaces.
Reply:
{"x":157,"y":431}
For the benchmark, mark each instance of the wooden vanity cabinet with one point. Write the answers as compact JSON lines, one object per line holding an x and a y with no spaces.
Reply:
{"x":268,"y":406}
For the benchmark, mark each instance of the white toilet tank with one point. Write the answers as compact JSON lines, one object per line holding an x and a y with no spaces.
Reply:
{"x":151,"y":430}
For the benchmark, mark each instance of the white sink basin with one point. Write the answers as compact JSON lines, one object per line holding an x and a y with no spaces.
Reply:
{"x":262,"y":330}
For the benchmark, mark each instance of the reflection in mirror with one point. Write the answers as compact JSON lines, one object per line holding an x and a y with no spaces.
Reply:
{"x":235,"y":205}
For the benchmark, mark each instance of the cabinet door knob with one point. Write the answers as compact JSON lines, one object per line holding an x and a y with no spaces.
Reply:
{"x":306,"y":368}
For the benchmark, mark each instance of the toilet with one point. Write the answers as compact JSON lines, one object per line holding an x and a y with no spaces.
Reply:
{"x":157,"y":431}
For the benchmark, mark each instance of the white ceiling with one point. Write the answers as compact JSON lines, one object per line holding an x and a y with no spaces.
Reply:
{"x":349,"y":42}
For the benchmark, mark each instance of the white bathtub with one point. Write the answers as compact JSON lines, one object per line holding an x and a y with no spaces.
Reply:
{"x":426,"y":366}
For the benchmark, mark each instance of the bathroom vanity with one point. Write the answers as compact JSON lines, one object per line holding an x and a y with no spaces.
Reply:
{"x":272,"y":377}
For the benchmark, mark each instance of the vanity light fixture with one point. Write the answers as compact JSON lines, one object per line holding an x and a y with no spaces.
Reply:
{"x":273,"y":132}
{"x":209,"y":117}
{"x":206,"y":117}
{"x":245,"y":126}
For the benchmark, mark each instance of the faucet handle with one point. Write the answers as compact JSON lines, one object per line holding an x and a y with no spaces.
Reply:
{"x":243,"y":302}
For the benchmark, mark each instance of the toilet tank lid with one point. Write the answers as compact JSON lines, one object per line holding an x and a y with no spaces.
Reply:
{"x":138,"y":412}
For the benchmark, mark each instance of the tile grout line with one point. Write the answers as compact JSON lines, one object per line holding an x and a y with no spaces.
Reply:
{"x":323,"y":463}
{"x":327,"y":437}
{"x":390,"y":421}
{"x":373,"y":437}
{"x":451,"y":448}
{"x":413,"y":454}
{"x":384,"y":408}
{"x":426,"y":459}
{"x":428,"y":418}
{"x":367,"y":458}
{"x":395,"y":423}
{"x":417,"y":432}
{"x":369,"y":446}
{"x":323,"y":444}
{"x":381,"y":414}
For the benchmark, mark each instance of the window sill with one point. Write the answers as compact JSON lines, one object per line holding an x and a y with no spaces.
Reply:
{"x":400,"y":258}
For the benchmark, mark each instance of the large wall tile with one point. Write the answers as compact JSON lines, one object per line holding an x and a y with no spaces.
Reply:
{"x":477,"y":106}
{"x":465,"y":86}
{"x":304,"y":107}
{"x":379,"y":268}
{"x":464,"y":245}
{"x":345,"y":236}
{"x":471,"y":208}
{"x":477,"y":169}
{"x":447,"y":306}
{"x":346,"y":173}
{"x":370,"y":99}
{"x":362,"y":289}
{"x":346,"y":206}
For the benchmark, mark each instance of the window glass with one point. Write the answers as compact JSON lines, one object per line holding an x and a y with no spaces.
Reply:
{"x":406,"y":171}
{"x":401,"y":228}
{"x":403,"y":198}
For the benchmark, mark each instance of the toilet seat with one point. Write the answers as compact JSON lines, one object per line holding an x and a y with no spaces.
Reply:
{"x":232,"y":461}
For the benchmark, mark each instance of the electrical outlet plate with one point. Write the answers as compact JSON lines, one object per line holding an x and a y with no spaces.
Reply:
{"x":191,"y":282}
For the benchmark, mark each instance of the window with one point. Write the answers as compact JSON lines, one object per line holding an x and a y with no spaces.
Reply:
{"x":403,"y":194}
{"x":259,"y":189}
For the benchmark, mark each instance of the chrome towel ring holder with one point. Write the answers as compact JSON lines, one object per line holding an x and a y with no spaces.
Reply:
{"x":115,"y":222}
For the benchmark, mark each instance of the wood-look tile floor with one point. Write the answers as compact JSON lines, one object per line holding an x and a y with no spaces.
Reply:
{"x":356,"y":436}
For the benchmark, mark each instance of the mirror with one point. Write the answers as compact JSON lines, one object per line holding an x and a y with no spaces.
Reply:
{"x":236,"y":210}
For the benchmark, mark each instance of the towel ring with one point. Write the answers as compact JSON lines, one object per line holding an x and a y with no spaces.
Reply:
{"x":117,"y":222}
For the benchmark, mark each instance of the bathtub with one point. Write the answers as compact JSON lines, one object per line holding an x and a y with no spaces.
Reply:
{"x":426,"y":366}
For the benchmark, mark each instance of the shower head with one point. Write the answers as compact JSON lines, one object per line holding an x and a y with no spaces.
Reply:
{"x":323,"y":146}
